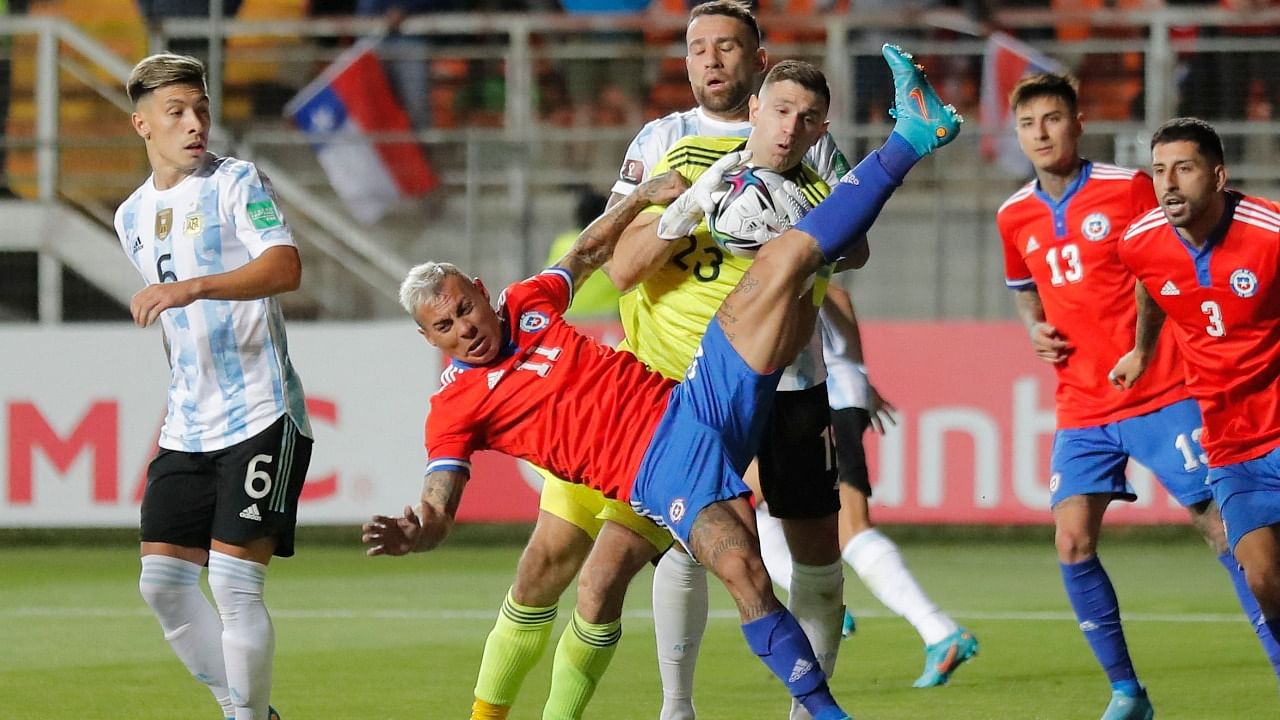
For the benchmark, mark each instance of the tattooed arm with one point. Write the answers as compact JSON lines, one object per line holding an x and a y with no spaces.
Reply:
{"x":596,"y":243}
{"x":421,"y":529}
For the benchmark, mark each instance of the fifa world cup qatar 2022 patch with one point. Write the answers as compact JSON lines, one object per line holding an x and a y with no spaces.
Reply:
{"x":632,"y":171}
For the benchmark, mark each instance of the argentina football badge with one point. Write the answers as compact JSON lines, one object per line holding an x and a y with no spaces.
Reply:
{"x":193,"y":224}
{"x":164,"y":223}
{"x":1244,"y":283}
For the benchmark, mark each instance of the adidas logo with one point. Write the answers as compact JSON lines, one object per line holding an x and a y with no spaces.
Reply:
{"x":1169,"y":288}
{"x":1032,"y":245}
{"x":251,"y":513}
{"x":801,"y":669}
{"x":137,"y":244}
{"x":494,"y":377}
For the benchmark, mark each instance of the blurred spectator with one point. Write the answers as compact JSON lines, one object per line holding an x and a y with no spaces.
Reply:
{"x":330,"y":8}
{"x":404,"y":56}
{"x":605,"y":90}
{"x":154,"y":11}
{"x":1248,"y":84}
{"x":1113,"y":82}
{"x":597,"y":299}
{"x":7,"y":7}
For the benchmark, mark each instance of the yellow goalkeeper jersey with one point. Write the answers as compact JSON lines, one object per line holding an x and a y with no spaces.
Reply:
{"x":665,"y":317}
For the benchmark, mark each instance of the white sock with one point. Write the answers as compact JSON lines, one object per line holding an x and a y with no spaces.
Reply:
{"x":773,"y":548}
{"x":879,"y":564}
{"x":679,"y":621}
{"x":172,"y":588}
{"x":248,"y":638}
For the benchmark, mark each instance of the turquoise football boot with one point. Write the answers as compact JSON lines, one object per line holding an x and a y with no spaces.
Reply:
{"x":924,"y":120}
{"x":1129,"y":707}
{"x":849,"y":627}
{"x":942,"y":658}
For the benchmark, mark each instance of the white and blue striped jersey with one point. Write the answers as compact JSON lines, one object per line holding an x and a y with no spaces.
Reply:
{"x":846,"y":379}
{"x":231,"y":376}
{"x":658,"y":136}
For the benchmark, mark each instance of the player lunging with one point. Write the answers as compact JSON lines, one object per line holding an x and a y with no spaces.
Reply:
{"x":524,"y":382}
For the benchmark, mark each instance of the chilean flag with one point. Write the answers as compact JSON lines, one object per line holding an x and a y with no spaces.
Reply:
{"x":1005,"y":62}
{"x":339,"y":109}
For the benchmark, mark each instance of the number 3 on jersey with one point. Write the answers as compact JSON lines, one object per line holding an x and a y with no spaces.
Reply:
{"x":1064,"y":264}
{"x":1215,"y":328}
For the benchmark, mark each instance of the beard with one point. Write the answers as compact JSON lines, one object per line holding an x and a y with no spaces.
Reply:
{"x":730,"y":96}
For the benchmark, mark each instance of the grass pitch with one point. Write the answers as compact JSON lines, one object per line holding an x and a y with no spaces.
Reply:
{"x":401,"y":638}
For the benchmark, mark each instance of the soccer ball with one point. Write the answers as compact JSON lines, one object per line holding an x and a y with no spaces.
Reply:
{"x":746,"y":216}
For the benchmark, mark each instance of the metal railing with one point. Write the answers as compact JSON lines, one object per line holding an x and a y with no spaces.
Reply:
{"x":506,"y":188}
{"x":63,"y":48}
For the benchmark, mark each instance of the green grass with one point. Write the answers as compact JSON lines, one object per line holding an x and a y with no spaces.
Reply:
{"x":401,"y":638}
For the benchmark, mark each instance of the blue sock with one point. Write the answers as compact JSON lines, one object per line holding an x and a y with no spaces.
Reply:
{"x":1094,"y":601}
{"x":1274,"y":626}
{"x":778,"y":640}
{"x":1249,"y":604}
{"x":844,"y":217}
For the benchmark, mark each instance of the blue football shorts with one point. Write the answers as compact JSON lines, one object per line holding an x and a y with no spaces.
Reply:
{"x":1248,"y":494}
{"x":1092,"y":460}
{"x":706,"y":438}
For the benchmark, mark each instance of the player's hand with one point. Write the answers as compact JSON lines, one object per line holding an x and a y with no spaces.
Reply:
{"x":683,"y":215}
{"x":882,"y":412}
{"x":664,"y":188}
{"x":1127,"y":371}
{"x":150,"y":301}
{"x":789,"y":205}
{"x":1048,"y":343}
{"x":791,"y":200}
{"x":387,"y":535}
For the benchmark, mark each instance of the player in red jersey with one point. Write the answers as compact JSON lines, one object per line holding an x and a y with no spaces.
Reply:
{"x":524,"y":382}
{"x":1209,"y":259}
{"x":1061,"y":232}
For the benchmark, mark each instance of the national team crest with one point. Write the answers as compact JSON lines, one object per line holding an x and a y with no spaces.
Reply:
{"x":1244,"y":283}
{"x":1096,"y":227}
{"x":676,"y":511}
{"x":193,"y":224}
{"x":533,"y":321}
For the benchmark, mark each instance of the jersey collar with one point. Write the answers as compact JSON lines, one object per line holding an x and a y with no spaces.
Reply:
{"x":1201,"y":257}
{"x":1086,"y":168}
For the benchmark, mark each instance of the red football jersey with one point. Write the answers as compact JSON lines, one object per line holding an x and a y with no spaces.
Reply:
{"x":554,"y":397}
{"x":1067,"y":251}
{"x":1223,"y":303}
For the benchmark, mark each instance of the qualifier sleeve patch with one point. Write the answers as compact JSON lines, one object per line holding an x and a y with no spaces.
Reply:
{"x":263,"y":214}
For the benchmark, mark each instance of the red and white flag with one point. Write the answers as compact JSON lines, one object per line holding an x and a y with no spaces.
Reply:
{"x":1006,"y":61}
{"x":349,"y":101}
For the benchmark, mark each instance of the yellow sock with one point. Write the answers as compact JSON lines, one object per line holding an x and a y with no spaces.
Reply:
{"x":481,"y":710}
{"x":514,"y":645}
{"x":582,"y":656}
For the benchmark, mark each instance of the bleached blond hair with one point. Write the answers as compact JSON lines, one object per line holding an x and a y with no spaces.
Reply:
{"x":423,"y":283}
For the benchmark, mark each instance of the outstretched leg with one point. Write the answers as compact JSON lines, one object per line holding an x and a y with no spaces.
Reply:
{"x":759,"y":316}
